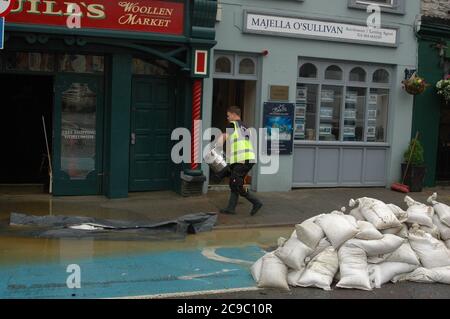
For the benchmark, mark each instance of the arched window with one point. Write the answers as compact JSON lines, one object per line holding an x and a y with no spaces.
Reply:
{"x":381,"y":76}
{"x":358,"y":75}
{"x":223,"y":65}
{"x":333,"y":72}
{"x":308,"y":70}
{"x":247,"y":66}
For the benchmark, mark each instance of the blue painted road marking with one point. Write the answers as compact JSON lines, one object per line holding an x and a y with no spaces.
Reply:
{"x":132,"y":275}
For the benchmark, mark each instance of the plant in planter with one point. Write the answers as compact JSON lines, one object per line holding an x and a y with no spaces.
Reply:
{"x":416,"y":170}
{"x":443,"y":88}
{"x":415,"y":85}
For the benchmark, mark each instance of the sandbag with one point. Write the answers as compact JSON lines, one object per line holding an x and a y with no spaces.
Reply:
{"x":444,"y":230}
{"x":424,"y":275}
{"x":401,"y":215}
{"x":388,"y":244}
{"x":293,"y":253}
{"x":442,"y":210}
{"x":294,"y":234}
{"x":256,"y":268}
{"x":419,"y":213}
{"x":376,"y":212}
{"x":404,"y":254}
{"x":353,"y":268}
{"x":309,"y":233}
{"x":401,"y":231}
{"x":337,"y":228}
{"x":323,"y":244}
{"x":432,"y":253}
{"x":433,"y":231}
{"x":273,"y":273}
{"x":447,"y":243}
{"x":321,"y":270}
{"x":356,"y":212}
{"x":294,"y":276}
{"x":385,"y":272}
{"x":367,"y":231}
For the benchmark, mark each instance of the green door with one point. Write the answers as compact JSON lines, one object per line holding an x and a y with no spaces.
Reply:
{"x":152,"y":121}
{"x":77,"y":136}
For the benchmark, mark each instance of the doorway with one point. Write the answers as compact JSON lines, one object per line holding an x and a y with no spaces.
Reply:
{"x":443,"y":158}
{"x":24,"y":153}
{"x":226,"y":93}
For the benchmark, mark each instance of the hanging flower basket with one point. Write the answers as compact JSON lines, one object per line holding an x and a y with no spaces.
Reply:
{"x":415,"y":85}
{"x":443,"y":88}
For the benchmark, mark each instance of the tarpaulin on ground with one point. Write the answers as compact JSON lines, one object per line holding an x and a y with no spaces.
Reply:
{"x":80,"y":227}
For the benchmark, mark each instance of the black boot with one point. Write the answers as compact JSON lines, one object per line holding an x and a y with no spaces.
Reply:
{"x":255,"y":201}
{"x":232,"y":202}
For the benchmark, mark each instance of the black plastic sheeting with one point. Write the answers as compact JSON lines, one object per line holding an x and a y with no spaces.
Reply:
{"x":60,"y":227}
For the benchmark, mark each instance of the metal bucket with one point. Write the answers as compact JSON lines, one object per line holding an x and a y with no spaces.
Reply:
{"x":216,"y":161}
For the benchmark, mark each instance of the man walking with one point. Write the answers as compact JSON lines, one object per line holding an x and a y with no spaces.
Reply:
{"x":241,"y":157}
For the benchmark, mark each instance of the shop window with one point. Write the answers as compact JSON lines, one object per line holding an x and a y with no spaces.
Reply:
{"x":77,"y":63}
{"x":308,"y":70}
{"x":247,"y":66}
{"x":380,"y":76}
{"x":389,"y":6}
{"x":334,"y":111}
{"x":377,"y":115}
{"x":223,"y":65}
{"x":155,"y":68}
{"x":30,"y":61}
{"x":357,"y":75}
{"x":333,"y":72}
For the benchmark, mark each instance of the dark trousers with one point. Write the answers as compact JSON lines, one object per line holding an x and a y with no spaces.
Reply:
{"x":237,"y":177}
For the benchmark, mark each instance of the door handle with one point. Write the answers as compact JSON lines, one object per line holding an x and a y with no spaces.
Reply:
{"x":133,"y":138}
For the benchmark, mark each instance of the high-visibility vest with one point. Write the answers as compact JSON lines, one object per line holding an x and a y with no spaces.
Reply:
{"x":241,"y":148}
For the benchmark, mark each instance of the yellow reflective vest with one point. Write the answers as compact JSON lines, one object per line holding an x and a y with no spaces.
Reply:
{"x":241,"y":148}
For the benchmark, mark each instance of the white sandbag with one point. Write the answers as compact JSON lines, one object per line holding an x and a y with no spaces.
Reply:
{"x":442,"y":210}
{"x":321,"y":270}
{"x":337,"y":228}
{"x":404,"y":254}
{"x":309,"y":233}
{"x":419,"y":213}
{"x":447,"y":243}
{"x":376,"y":212}
{"x":294,"y":234}
{"x":401,"y":215}
{"x":385,"y":272}
{"x":368,"y":231}
{"x":424,"y":275}
{"x":433,"y":231}
{"x":401,"y":231}
{"x":256,"y":267}
{"x":323,"y":244}
{"x":353,"y":268}
{"x":444,"y":230}
{"x":432,"y":253}
{"x":388,"y":244}
{"x":281,"y":241}
{"x":293,"y":253}
{"x":294,"y":276}
{"x":273,"y":273}
{"x":352,"y":220}
{"x":356,"y":212}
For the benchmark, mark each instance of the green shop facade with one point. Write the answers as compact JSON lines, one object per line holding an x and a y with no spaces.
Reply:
{"x":431,"y":117}
{"x":107,"y":86}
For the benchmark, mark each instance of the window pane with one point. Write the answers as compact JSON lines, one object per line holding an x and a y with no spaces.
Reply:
{"x":381,"y":76}
{"x":330,"y":113}
{"x":355,"y":104}
{"x":223,"y":65}
{"x":158,"y":67}
{"x":358,"y":75}
{"x":247,"y":66}
{"x":308,"y":70}
{"x":333,"y":73}
{"x":305,"y":112}
{"x":30,"y":61}
{"x":78,"y":63}
{"x":377,"y":115}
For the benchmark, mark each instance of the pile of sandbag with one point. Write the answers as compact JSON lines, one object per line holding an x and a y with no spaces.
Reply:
{"x":374,"y":244}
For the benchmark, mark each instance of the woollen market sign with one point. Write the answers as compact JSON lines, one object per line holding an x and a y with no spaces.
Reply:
{"x":263,"y":23}
{"x":133,"y":15}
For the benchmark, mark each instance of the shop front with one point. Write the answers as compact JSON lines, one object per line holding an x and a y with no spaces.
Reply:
{"x":352,"y":119}
{"x":108,"y":85}
{"x":431,"y":111}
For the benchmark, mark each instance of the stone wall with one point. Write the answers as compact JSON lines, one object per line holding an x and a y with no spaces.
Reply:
{"x":436,"y":8}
